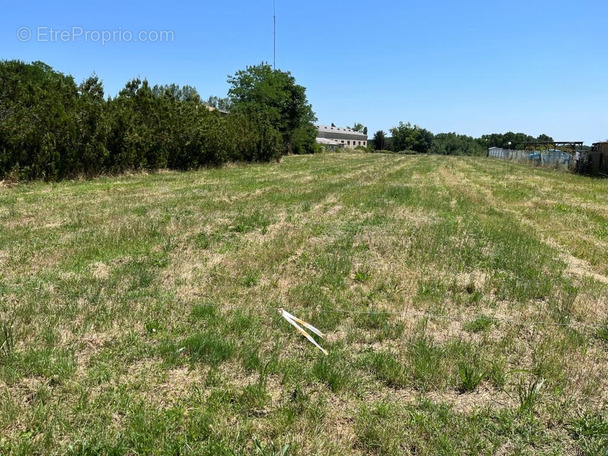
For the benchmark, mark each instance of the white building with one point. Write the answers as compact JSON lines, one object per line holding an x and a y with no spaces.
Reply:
{"x":337,"y":137}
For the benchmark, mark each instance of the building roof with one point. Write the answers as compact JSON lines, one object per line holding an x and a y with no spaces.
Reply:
{"x":347,"y":131}
{"x":213,"y":108}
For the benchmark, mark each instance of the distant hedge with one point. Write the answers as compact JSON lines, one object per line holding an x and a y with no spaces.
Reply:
{"x":51,"y":128}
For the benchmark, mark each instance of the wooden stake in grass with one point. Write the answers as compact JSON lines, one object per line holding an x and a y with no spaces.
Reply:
{"x":293,"y":320}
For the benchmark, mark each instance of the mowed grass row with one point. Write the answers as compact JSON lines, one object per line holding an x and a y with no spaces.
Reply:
{"x":464,"y":302}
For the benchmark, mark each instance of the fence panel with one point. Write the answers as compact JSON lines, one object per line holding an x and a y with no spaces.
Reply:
{"x":551,"y":158}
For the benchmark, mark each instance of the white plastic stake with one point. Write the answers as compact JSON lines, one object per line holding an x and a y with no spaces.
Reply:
{"x":292,"y":321}
{"x":303,"y":323}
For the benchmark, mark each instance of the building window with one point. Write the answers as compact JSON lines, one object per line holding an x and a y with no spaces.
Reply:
{"x":348,"y":143}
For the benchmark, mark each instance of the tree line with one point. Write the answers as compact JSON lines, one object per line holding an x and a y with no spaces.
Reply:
{"x":412,"y":138}
{"x":52,"y":128}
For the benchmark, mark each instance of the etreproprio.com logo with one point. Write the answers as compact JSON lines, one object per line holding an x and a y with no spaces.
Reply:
{"x":46,"y":34}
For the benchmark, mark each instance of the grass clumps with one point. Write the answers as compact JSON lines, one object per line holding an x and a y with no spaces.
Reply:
{"x":7,"y":340}
{"x":386,"y":428}
{"x":480,"y":324}
{"x":386,"y":367}
{"x":209,"y":347}
{"x":590,"y":430}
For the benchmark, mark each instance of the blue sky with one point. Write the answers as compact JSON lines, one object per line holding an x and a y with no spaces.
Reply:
{"x":471,"y":66}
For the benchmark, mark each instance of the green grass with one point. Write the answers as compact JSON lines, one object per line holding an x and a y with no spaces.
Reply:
{"x":482,"y":323}
{"x":464,"y":302}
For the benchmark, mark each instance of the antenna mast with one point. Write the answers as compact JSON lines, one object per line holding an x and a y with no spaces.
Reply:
{"x":274,"y":18}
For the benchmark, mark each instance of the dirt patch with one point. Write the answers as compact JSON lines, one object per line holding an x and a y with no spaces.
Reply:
{"x":175,"y":385}
{"x":576,"y":266}
{"x":100,"y":271}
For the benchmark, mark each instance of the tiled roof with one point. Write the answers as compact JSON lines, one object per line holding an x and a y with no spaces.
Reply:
{"x":324,"y":128}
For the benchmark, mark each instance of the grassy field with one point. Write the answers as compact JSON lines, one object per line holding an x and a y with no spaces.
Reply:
{"x":465,"y":302}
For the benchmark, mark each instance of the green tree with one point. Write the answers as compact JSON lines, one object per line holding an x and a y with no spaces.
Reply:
{"x":507,"y":140}
{"x":411,"y":137}
{"x":357,"y":127}
{"x":379,"y":140}
{"x":277,"y":106}
{"x":38,"y":107}
{"x":92,"y":127}
{"x":137,"y":139}
{"x":455,"y":144}
{"x":544,"y":138}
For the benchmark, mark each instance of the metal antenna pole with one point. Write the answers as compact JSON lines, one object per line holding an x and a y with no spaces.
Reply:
{"x":274,"y":18}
